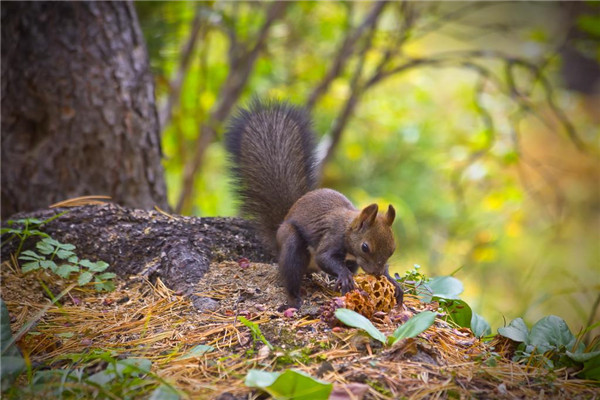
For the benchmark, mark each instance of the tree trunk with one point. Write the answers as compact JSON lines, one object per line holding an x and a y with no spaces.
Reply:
{"x":78,"y":108}
{"x":179,"y":250}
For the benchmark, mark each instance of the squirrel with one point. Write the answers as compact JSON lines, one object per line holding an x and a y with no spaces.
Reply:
{"x":271,"y":146}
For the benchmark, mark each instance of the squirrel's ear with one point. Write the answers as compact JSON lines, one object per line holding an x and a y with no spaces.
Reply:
{"x":390,"y":215}
{"x":367,"y":217}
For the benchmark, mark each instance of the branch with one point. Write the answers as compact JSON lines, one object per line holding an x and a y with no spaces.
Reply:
{"x":345,"y":52}
{"x":242,"y":64}
{"x":165,"y":113}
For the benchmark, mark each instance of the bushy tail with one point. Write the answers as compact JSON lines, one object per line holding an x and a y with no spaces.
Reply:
{"x":272,"y":149}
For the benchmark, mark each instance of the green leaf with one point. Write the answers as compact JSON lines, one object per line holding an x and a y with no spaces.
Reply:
{"x":30,"y":255}
{"x":551,"y":332}
{"x":583,"y":357}
{"x":260,"y":379}
{"x":197,"y":351}
{"x":479,"y":326}
{"x":106,"y":286}
{"x":130,"y":366}
{"x":30,"y":266}
{"x":356,"y":320}
{"x":164,"y":392}
{"x":73,"y":260}
{"x":66,"y":246}
{"x":44,"y":247}
{"x":11,"y":362}
{"x":64,"y":254}
{"x":84,"y":278}
{"x":591,"y":369}
{"x":86,"y":263}
{"x":10,"y":369}
{"x":51,"y":242}
{"x":516,"y":330}
{"x":446,"y":287}
{"x":48,"y":264}
{"x":6,"y":333}
{"x":106,"y":275}
{"x":413,"y":327}
{"x":65,"y":270}
{"x":458,"y":311}
{"x":290,"y":384}
{"x":98,"y":266}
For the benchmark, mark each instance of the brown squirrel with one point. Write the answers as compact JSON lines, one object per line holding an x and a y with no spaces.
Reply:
{"x":272,"y":149}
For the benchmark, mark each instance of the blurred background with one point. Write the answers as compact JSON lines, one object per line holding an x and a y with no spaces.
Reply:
{"x":478,"y":121}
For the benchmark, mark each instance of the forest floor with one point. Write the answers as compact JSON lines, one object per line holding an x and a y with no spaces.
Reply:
{"x":208,"y":354}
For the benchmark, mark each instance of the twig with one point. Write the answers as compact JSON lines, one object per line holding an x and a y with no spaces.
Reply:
{"x":165,"y":113}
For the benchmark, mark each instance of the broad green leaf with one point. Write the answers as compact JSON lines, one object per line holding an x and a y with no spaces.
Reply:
{"x":84,"y":278}
{"x":356,"y":320}
{"x":6,"y":333}
{"x":458,"y":311}
{"x":73,"y":260}
{"x":164,"y":392}
{"x":65,"y":270}
{"x":197,"y":351}
{"x":11,"y":361}
{"x":446,"y":287}
{"x":551,"y":331}
{"x":290,"y":384}
{"x":414,"y":326}
{"x":479,"y":326}
{"x":10,"y":369}
{"x":516,"y":330}
{"x":260,"y":379}
{"x":591,"y":369}
{"x":583,"y":357}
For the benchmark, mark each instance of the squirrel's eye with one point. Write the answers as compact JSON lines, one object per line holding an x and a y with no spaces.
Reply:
{"x":364,"y":247}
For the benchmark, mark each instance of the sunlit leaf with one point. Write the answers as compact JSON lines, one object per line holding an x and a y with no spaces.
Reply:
{"x":414,"y":326}
{"x":356,"y":320}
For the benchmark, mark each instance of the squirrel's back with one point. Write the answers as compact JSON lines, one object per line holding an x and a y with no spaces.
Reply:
{"x":272,"y":149}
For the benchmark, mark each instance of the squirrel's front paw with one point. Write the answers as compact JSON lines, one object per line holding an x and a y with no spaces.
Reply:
{"x":344,"y":283}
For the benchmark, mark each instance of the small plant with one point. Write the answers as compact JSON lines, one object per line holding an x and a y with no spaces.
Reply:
{"x":60,"y":259}
{"x":414,"y":281}
{"x":412,"y":328}
{"x":551,"y":343}
{"x":256,"y":332}
{"x":121,"y":378}
{"x":30,"y":228}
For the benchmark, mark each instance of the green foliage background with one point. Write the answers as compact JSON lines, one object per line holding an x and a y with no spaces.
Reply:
{"x":517,"y":222}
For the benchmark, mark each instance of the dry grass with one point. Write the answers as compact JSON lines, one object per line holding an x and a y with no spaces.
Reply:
{"x":146,"y":320}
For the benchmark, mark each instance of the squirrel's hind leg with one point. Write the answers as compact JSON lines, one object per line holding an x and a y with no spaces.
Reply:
{"x":294,"y":258}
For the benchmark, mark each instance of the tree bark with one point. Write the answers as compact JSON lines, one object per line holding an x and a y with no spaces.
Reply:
{"x":78,"y":108}
{"x":179,"y":250}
